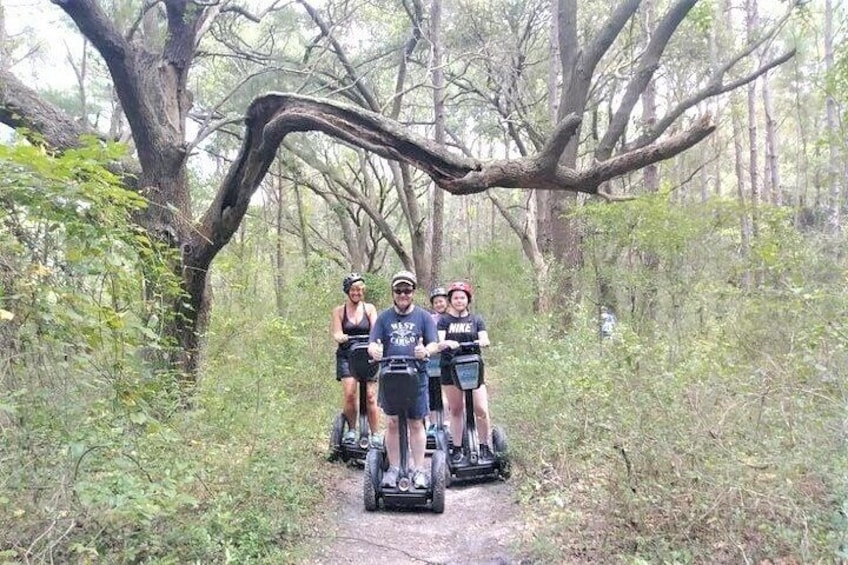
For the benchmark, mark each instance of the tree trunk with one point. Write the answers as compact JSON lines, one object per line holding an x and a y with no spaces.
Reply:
{"x":279,"y":241}
{"x":301,"y":218}
{"x":772,"y":172}
{"x":802,"y":162}
{"x":650,"y":174}
{"x":739,"y":166}
{"x":437,"y":221}
{"x":753,"y":137}
{"x":832,"y":125}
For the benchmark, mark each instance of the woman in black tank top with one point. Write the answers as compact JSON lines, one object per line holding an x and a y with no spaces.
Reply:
{"x":353,"y":318}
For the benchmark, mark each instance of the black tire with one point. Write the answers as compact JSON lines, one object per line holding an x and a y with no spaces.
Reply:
{"x":371,"y":478}
{"x":438,"y":474}
{"x":499,"y":443}
{"x":336,"y":436}
{"x":501,"y":449}
{"x":384,"y":461}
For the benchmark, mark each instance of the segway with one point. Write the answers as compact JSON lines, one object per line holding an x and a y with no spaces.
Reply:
{"x":354,"y":450}
{"x":467,"y":373}
{"x":399,"y":385}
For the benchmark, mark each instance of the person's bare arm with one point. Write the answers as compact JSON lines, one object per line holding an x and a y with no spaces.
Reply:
{"x":371,"y":312}
{"x":483,"y":338}
{"x":336,"y":325}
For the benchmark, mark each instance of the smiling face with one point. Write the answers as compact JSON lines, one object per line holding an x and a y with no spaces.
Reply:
{"x":357,"y":292}
{"x":403,"y":294}
{"x":459,"y":300}
{"x":440,"y":304}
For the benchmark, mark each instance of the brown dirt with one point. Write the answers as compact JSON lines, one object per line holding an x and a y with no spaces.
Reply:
{"x":480,"y":525}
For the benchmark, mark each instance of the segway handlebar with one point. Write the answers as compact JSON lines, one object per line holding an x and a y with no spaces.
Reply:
{"x":363,"y":338}
{"x":391,"y":358}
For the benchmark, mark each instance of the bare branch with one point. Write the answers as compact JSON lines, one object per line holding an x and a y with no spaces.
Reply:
{"x":118,"y":55}
{"x":255,"y":18}
{"x":715,"y":88}
{"x":354,"y":78}
{"x":648,"y":155}
{"x":607,"y":34}
{"x":649,"y":63}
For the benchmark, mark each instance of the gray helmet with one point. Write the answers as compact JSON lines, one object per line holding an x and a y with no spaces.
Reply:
{"x":438,"y":291}
{"x":404,"y":277}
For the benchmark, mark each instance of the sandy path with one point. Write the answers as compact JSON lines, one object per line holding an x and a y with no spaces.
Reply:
{"x":479,"y":525}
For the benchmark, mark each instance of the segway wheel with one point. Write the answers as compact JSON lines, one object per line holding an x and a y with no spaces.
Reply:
{"x":438,"y":475}
{"x":336,"y":436}
{"x":371,"y":478}
{"x":499,"y":444}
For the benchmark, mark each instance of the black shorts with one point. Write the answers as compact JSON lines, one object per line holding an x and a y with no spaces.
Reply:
{"x":343,"y":366}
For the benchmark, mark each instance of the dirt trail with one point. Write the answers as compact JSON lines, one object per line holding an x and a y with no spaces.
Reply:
{"x":480,"y":524}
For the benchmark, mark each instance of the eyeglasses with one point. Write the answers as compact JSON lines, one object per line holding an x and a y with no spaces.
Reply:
{"x":406,"y":291}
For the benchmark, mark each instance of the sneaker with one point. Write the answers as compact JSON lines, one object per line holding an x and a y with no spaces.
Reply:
{"x":456,"y":454}
{"x":420,"y":479}
{"x":431,"y":430}
{"x":376,"y":441}
{"x":390,"y":477}
{"x":486,"y":453}
{"x":350,"y":436}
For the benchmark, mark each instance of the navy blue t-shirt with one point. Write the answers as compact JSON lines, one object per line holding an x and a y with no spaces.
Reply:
{"x":399,"y":333}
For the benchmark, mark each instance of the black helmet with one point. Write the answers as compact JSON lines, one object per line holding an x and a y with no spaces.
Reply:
{"x":438,"y":291}
{"x":349,"y":281}
{"x":404,"y":277}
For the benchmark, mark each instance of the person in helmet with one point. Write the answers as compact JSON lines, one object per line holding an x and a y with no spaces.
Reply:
{"x":455,"y":326}
{"x":354,"y":317}
{"x":438,"y":302}
{"x":405,"y":329}
{"x":438,"y":305}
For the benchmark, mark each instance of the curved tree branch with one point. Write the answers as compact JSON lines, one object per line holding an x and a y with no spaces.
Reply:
{"x":562,"y":134}
{"x":273,"y":116}
{"x":23,"y":107}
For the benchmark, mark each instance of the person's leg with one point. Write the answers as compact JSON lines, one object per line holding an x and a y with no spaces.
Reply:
{"x":349,"y":386}
{"x":481,"y":411}
{"x":418,"y":440}
{"x":456,"y":407}
{"x":392,"y":440}
{"x":373,"y":412}
{"x":418,"y":435}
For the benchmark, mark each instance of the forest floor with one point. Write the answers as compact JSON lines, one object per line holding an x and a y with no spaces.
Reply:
{"x":481,"y":525}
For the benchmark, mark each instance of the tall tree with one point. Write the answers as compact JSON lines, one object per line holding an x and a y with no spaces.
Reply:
{"x":437,"y":217}
{"x":834,"y":176}
{"x":150,"y":66}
